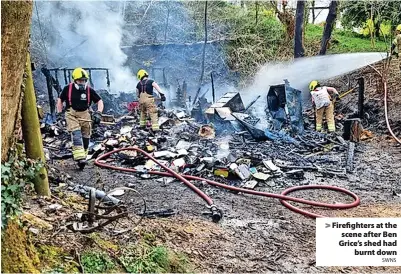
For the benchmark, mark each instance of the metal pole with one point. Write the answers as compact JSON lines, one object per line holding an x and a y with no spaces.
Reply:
{"x":56,"y":75}
{"x":164,"y":78}
{"x":65,"y":77}
{"x":108,"y":79}
{"x":213,"y":94}
{"x":90,"y":78}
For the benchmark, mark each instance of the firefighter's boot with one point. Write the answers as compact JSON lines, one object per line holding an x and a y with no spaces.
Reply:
{"x":78,"y":151}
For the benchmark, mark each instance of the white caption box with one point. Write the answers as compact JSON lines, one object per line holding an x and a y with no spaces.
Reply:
{"x":358,"y":242}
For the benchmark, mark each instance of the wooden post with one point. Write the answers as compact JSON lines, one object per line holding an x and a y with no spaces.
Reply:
{"x":52,"y":103}
{"x":353,"y":130}
{"x":31,"y":132}
{"x":361,"y":97}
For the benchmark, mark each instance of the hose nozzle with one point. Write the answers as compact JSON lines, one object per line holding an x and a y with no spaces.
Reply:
{"x":216,"y":213}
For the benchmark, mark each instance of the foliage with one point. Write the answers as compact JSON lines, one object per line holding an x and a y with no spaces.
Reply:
{"x":96,"y":262}
{"x":251,"y":35}
{"x":17,"y":175}
{"x":342,"y":41}
{"x":355,"y":13}
{"x":385,"y":28}
{"x":144,"y":258}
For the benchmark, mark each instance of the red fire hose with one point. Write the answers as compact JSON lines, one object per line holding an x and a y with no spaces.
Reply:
{"x":384,"y":81}
{"x":216,"y":213}
{"x":386,"y":113}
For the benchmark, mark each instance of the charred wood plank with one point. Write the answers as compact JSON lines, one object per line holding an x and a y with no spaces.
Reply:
{"x":350,"y":157}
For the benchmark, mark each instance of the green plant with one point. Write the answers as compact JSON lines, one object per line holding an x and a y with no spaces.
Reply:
{"x":53,"y":260}
{"x":97,"y":262}
{"x":144,"y":258}
{"x":17,"y":175}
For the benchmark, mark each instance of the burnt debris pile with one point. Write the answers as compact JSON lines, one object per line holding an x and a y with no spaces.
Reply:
{"x":230,"y":148}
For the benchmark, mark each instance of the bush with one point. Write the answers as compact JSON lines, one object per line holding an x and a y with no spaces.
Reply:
{"x":17,"y":175}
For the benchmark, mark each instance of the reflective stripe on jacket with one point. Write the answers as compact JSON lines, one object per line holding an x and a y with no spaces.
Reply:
{"x":321,"y":97}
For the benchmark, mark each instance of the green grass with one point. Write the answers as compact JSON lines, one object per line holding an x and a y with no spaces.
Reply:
{"x":144,"y":258}
{"x":343,"y":41}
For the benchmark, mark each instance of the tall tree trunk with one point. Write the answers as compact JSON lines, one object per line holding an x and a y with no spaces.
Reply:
{"x":15,"y":28}
{"x":286,"y":18}
{"x":377,"y":28}
{"x":256,"y":12}
{"x":328,"y":28}
{"x":204,"y":45}
{"x":299,"y":50}
{"x":31,"y":132}
{"x":372,"y":28}
{"x":17,"y":256}
{"x":313,"y":12}
{"x":203,"y":56}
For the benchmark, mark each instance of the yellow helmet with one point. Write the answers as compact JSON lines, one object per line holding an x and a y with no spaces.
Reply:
{"x":313,"y":85}
{"x":79,"y":73}
{"x":398,"y":27}
{"x":141,"y":73}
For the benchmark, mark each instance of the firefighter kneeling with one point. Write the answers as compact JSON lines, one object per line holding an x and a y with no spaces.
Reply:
{"x":144,"y":90}
{"x":78,"y":97}
{"x":323,"y":104}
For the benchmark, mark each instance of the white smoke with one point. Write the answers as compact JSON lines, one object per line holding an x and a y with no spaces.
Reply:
{"x":301,"y":71}
{"x":86,"y":34}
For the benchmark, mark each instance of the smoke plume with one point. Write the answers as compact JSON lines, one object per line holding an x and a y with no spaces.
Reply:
{"x":83,"y":34}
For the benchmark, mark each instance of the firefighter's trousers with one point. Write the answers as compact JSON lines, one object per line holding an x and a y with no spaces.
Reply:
{"x":80,"y":132}
{"x":147,"y":106}
{"x":329,"y":112}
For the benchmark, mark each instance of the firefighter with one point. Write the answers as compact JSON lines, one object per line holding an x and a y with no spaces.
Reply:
{"x":322,"y":101}
{"x":78,"y":97}
{"x":396,"y":45}
{"x":144,"y":90}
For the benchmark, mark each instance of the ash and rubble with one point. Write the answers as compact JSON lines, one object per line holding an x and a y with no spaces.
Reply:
{"x":232,"y":155}
{"x":221,"y":141}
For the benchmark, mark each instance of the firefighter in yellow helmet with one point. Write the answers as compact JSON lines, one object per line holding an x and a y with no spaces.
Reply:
{"x":144,"y":90}
{"x":78,"y":97}
{"x":321,"y":99}
{"x":396,"y":45}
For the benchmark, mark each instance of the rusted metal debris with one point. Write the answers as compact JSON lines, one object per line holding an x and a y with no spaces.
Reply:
{"x":108,"y":210}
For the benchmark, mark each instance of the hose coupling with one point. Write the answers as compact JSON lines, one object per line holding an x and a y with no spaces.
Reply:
{"x":217,"y":214}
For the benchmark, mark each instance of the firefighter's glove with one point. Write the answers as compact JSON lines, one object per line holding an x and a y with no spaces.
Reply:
{"x":97,"y":118}
{"x":162,"y":97}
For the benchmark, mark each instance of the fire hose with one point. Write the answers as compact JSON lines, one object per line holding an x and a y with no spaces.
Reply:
{"x":386,"y":113}
{"x":215,"y":212}
{"x":386,"y":103}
